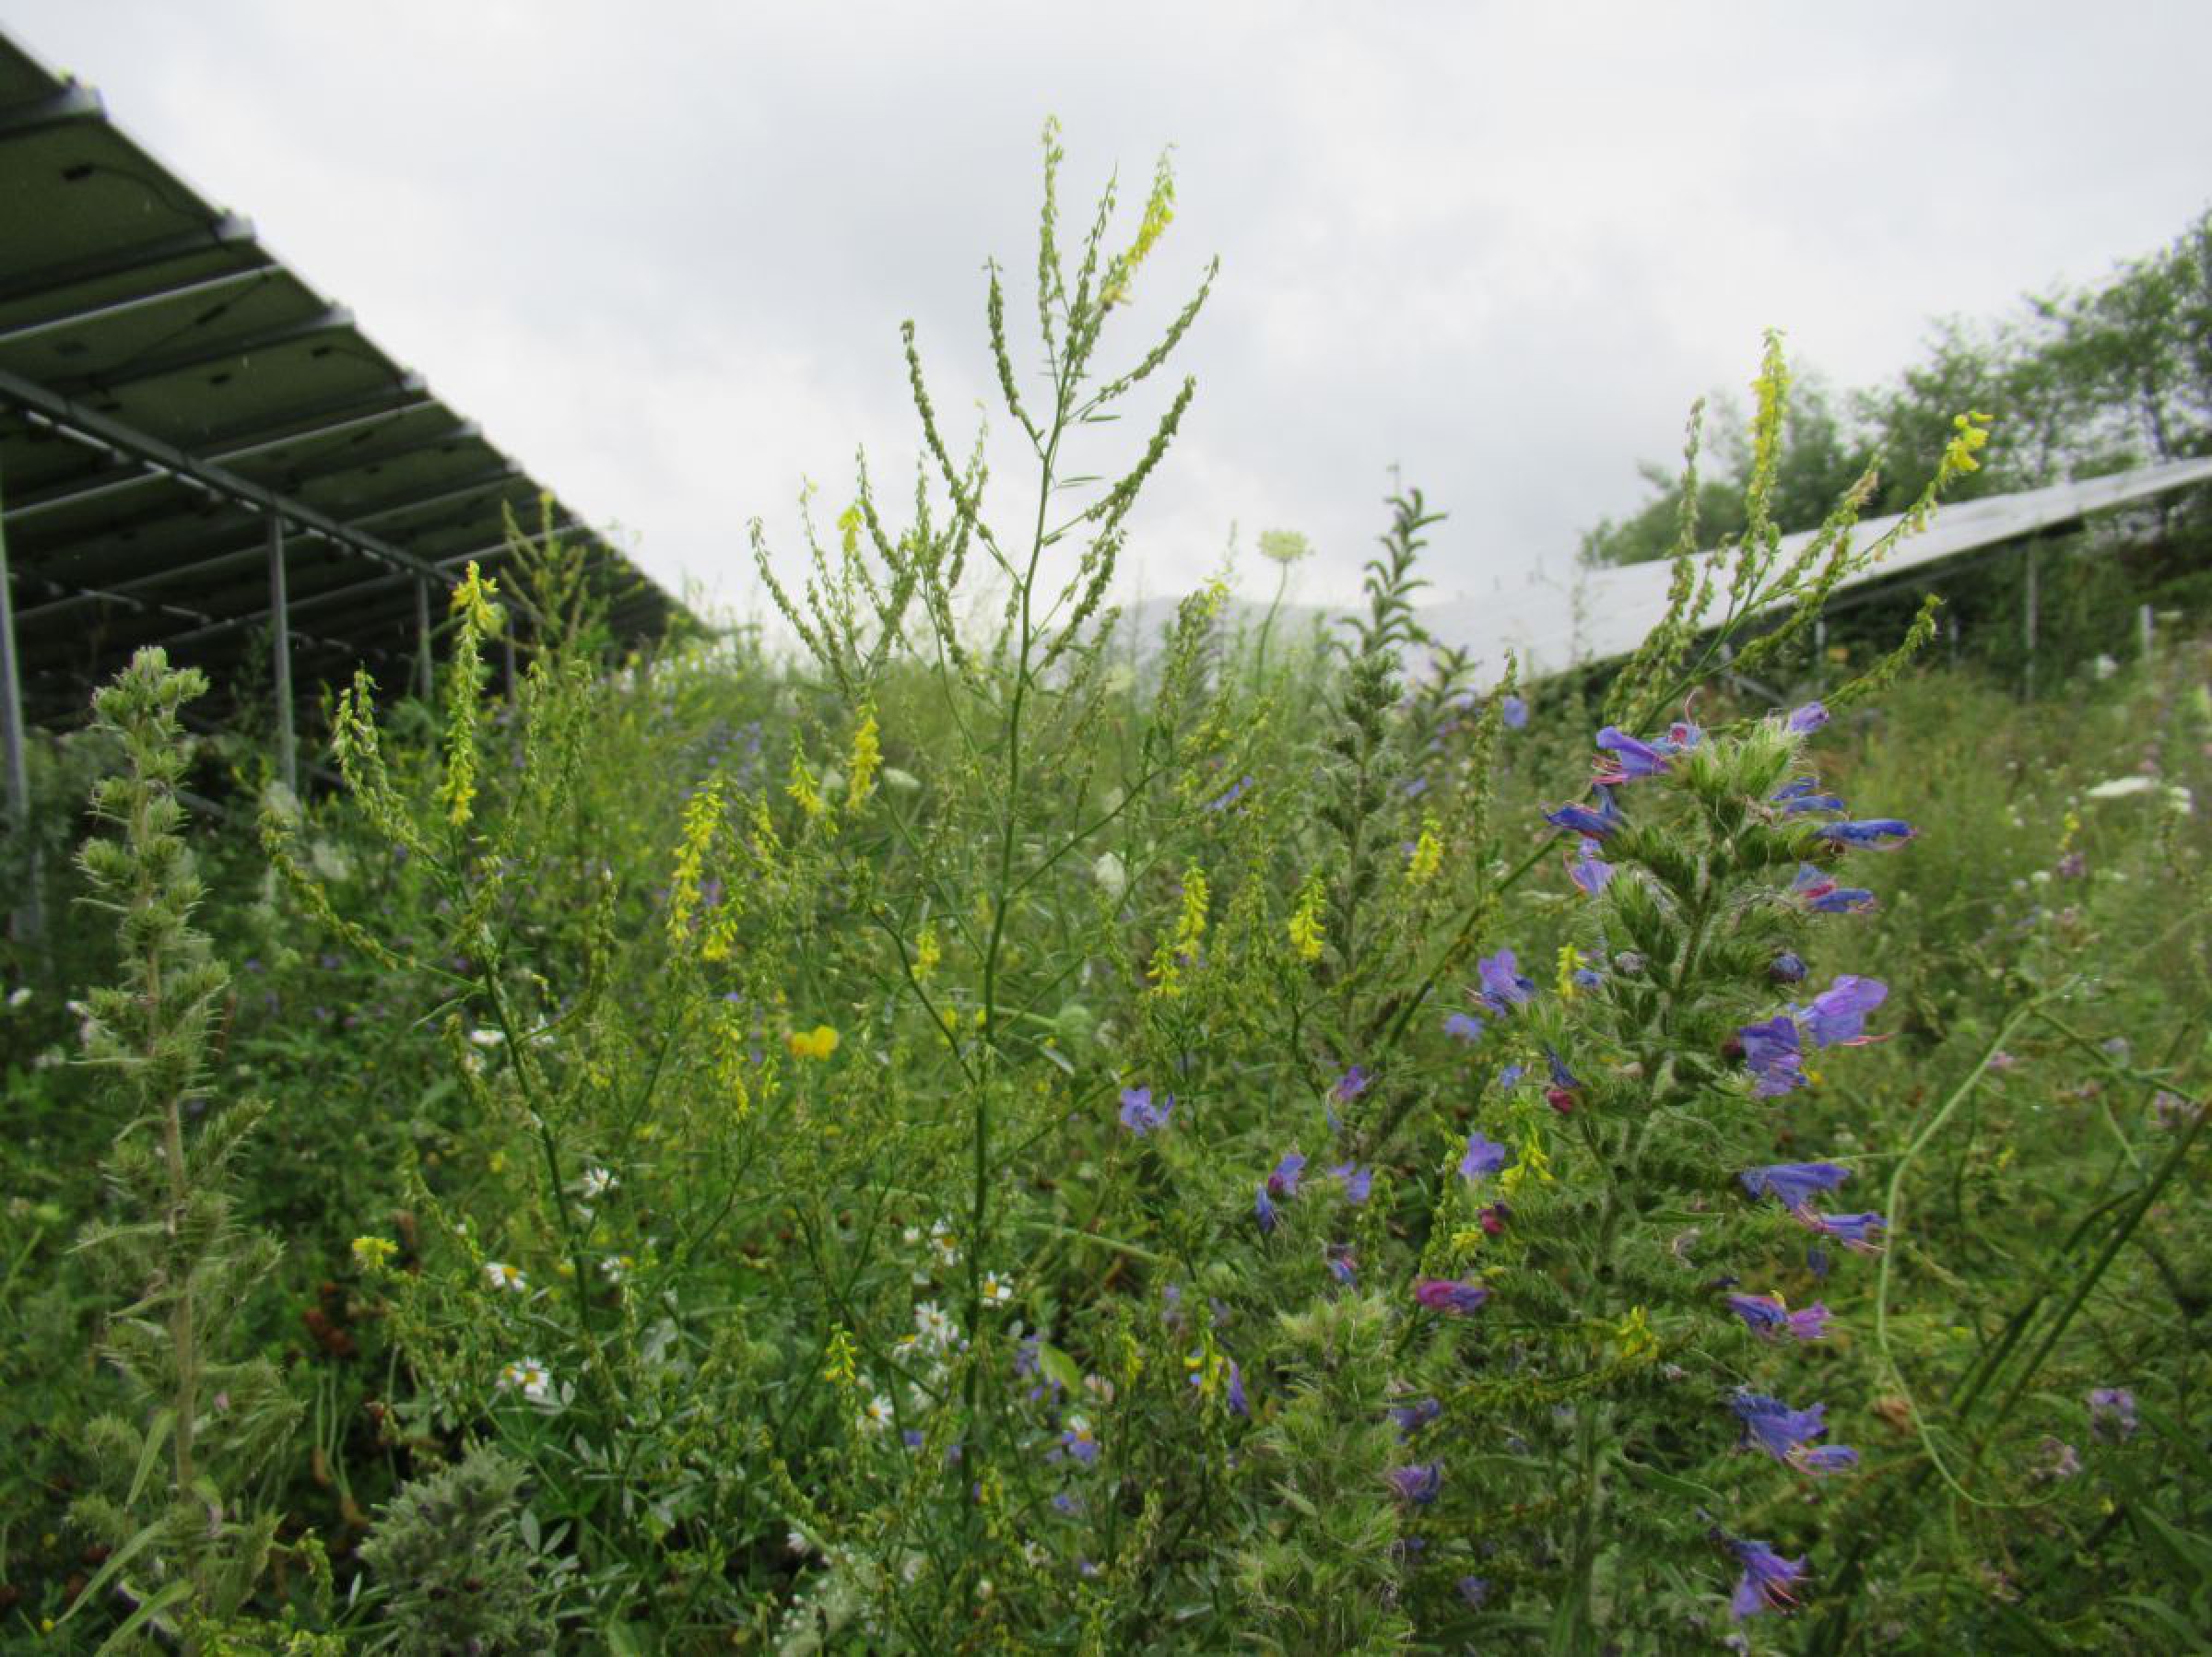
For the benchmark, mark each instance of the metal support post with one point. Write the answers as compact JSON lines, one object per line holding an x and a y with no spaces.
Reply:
{"x":422,"y":639}
{"x":2028,"y":619}
{"x":27,"y":917}
{"x":280,"y":652}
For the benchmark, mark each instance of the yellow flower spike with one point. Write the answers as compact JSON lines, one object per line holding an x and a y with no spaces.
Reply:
{"x":1572,"y":960}
{"x":1305,"y":921}
{"x":1182,"y":950}
{"x":1428,"y":854}
{"x":802,"y":788}
{"x":472,"y":601}
{"x":841,"y":1370}
{"x":373,"y":1253}
{"x":928,"y":952}
{"x":867,"y":760}
{"x":1639,"y":1343}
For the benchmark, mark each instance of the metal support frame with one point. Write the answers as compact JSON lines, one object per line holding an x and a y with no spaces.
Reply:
{"x":280,"y":652}
{"x":12,"y":737}
{"x":114,"y":436}
{"x":2028,"y":617}
{"x":422,"y":639}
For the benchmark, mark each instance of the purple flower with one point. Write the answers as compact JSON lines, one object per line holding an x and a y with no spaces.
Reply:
{"x":1767,"y":1577}
{"x":1815,"y":1261}
{"x":1282,"y":1182}
{"x":1800,"y":795}
{"x":2112,"y":1413}
{"x":1586,"y":869}
{"x":1231,"y":797}
{"x":1139,"y":1115}
{"x":1502,"y":984}
{"x":1579,"y":819}
{"x":1412,"y":1417}
{"x":1263,"y":1209}
{"x":1474,"y":1590}
{"x":1838,"y":1015}
{"x":1075,"y":1440}
{"x":1788,"y":968}
{"x":1239,"y":1405}
{"x":1767,"y":1317}
{"x":1067,"y":1502}
{"x":1417,"y":1484}
{"x":1869,"y":831}
{"x":1818,"y":892}
{"x":1464,"y":1027}
{"x":1853,"y":1231}
{"x":1793,"y":1185}
{"x":1787,"y":1435}
{"x":1510,"y":1077}
{"x":1631,"y":758}
{"x":1770,"y":1052}
{"x":1351,"y":1085}
{"x":1810,"y":717}
{"x":1338,"y":1257}
{"x":1514,"y":713}
{"x":1485,"y":1155}
{"x":1358,"y":1182}
{"x":1449,"y":1295}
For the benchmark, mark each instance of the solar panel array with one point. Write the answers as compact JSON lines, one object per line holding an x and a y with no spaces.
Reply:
{"x":167,"y":387}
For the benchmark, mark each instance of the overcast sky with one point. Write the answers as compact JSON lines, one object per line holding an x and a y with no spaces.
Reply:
{"x":661,"y":251}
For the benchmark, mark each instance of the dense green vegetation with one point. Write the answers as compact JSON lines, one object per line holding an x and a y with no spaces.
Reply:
{"x":989,"y":1137}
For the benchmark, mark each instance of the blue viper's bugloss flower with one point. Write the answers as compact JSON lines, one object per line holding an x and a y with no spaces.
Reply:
{"x":1579,"y":819}
{"x":1802,"y":796}
{"x":1338,"y":1257}
{"x":1510,"y":1077}
{"x":1838,"y":1015}
{"x":1514,"y":713}
{"x":1474,"y":1590}
{"x":2112,"y":1413}
{"x":1771,"y":1054}
{"x":1282,"y":1182}
{"x":1787,"y":1435}
{"x":1810,"y":717}
{"x":1485,"y":1155}
{"x":1239,"y":1405}
{"x":1767,"y":1580}
{"x":1412,"y":1417}
{"x":1417,"y":1484}
{"x":1631,"y":758}
{"x":1351,"y":1085}
{"x":1358,"y":1182}
{"x":1768,"y":1317}
{"x":1793,"y":1185}
{"x":1449,"y":1295}
{"x":1263,"y":1208}
{"x":1235,"y":793}
{"x":1139,"y":1115}
{"x":1883,"y":833}
{"x":1502,"y":984}
{"x":1586,"y":869}
{"x":1853,"y":1231}
{"x":1464,"y":1027}
{"x":1787,"y":968}
{"x":1819,"y":892}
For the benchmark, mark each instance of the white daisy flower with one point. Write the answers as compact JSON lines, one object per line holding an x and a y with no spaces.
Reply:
{"x":500,"y":1275}
{"x":997,"y":1290}
{"x":597,"y":1182}
{"x":529,"y":1378}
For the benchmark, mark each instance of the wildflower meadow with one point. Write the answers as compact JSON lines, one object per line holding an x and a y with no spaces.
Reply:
{"x":996,"y":1128}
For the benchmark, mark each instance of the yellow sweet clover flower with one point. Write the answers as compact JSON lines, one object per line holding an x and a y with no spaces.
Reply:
{"x":373,"y":1253}
{"x":1534,"y":1163}
{"x":849,"y":522}
{"x":841,"y":1369}
{"x":1970,"y":435}
{"x":1638,"y":1342}
{"x":868,"y":759}
{"x":472,"y":601}
{"x":928,"y":952}
{"x":802,"y":788}
{"x":1572,"y":960}
{"x":1160,"y":211}
{"x":1428,"y":853}
{"x":1181,"y":950}
{"x":816,"y":1043}
{"x":702,"y":812}
{"x":1305,"y":919}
